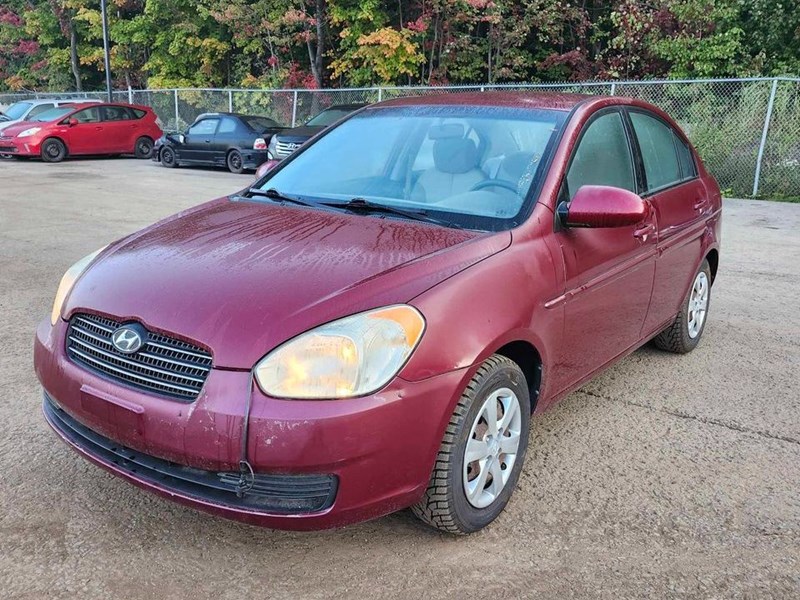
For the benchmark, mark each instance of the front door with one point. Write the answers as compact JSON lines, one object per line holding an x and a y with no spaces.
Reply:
{"x":198,"y":141}
{"x":87,"y":136}
{"x":608,"y":271}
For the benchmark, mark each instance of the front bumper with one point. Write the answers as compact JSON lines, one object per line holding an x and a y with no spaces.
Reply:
{"x":379,"y":450}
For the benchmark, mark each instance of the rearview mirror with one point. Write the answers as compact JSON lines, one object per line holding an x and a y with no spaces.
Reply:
{"x":602,"y":206}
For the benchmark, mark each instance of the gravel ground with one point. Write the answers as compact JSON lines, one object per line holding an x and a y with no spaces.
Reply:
{"x":667,"y":476}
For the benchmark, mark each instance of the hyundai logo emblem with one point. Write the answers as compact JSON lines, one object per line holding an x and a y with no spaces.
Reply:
{"x":129,"y":338}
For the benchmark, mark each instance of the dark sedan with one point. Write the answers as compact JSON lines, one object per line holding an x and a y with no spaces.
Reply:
{"x":289,"y":140}
{"x":238,"y":142}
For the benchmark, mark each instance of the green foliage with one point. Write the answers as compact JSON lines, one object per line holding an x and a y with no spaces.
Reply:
{"x":272,"y":43}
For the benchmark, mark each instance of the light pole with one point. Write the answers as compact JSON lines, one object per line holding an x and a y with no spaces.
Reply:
{"x":106,"y":55}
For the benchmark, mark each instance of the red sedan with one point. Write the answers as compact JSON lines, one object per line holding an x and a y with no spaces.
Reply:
{"x":87,"y":128}
{"x":372,"y":325}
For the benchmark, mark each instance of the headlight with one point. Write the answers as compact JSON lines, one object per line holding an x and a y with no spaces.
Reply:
{"x":68,"y":280}
{"x":29,"y":131}
{"x":350,"y":357}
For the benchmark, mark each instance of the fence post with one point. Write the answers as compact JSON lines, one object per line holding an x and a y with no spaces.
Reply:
{"x":230,"y":100}
{"x":177,"y":114}
{"x":380,"y":93}
{"x":613,"y":87}
{"x":294,"y":108}
{"x":130,"y":95}
{"x":767,"y":119}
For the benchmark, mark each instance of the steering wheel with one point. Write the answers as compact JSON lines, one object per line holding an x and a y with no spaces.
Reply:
{"x":495,"y":183}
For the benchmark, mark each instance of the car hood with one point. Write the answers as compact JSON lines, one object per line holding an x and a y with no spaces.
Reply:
{"x":242,"y":277}
{"x":12,"y":128}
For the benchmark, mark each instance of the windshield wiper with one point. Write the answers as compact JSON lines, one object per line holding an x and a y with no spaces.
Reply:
{"x":274,"y":194}
{"x":363,"y":205}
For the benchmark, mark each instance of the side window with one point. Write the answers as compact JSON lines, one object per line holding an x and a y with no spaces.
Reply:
{"x":115,"y":113}
{"x":138,"y":113}
{"x":685,"y":158}
{"x":87,"y":115}
{"x":37,"y":110}
{"x":204,"y":127}
{"x":658,"y":150}
{"x":227,"y":125}
{"x":603,"y":157}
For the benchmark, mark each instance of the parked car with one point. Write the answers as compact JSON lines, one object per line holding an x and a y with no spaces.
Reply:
{"x":93,"y":129}
{"x":372,"y":325}
{"x":230,"y":140}
{"x":289,"y":140}
{"x":29,"y":110}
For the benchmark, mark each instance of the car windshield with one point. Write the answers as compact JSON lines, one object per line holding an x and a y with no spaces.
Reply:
{"x":328,"y":117}
{"x":16,"y":110}
{"x":473,"y":167}
{"x":260,"y":124}
{"x":54,"y":113}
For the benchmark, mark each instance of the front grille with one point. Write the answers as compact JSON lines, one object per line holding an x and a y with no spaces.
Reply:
{"x":275,"y":493}
{"x":4,"y":148}
{"x":284,"y":149}
{"x":164,"y":365}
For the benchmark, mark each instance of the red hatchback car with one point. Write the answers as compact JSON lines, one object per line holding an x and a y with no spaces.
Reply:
{"x":371,"y":325}
{"x":87,"y":128}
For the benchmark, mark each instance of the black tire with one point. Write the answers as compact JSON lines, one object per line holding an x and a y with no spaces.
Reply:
{"x":53,"y":150}
{"x":167,"y":157}
{"x":143,"y":147}
{"x":235,"y":162}
{"x":445,"y":505}
{"x":677,"y":338}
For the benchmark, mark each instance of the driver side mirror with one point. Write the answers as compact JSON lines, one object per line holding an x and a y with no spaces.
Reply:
{"x":602,"y":206}
{"x":72,"y":122}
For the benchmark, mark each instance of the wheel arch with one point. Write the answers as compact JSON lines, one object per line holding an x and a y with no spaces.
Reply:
{"x":713,"y":261}
{"x":529,"y":360}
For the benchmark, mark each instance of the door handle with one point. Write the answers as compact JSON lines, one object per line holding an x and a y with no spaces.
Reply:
{"x":699,"y":204}
{"x":644,"y":231}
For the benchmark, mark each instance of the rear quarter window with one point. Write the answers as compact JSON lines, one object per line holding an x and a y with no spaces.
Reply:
{"x":685,"y":159}
{"x":138,"y":113}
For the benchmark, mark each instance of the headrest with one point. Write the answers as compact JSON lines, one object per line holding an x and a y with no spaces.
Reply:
{"x":455,"y":155}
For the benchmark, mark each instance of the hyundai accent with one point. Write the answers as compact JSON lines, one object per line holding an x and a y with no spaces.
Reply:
{"x":373,"y":323}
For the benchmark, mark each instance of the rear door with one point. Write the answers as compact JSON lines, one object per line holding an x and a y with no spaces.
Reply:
{"x":198,"y":141}
{"x":609,"y":271}
{"x":680,"y":202}
{"x":119,"y":129}
{"x":87,"y":136}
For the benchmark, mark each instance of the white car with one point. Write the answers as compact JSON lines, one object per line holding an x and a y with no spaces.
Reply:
{"x":25,"y":110}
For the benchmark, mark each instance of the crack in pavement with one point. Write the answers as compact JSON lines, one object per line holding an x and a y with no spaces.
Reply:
{"x":704,"y":420}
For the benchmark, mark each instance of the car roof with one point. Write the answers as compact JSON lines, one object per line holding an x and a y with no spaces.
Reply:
{"x":75,"y":101}
{"x":505,"y":98}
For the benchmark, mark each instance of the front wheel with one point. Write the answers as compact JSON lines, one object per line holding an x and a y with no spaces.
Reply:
{"x":167,"y":157}
{"x":53,"y":150}
{"x":482,"y":452}
{"x":235,"y":162}
{"x":143,"y":147}
{"x":685,"y":332}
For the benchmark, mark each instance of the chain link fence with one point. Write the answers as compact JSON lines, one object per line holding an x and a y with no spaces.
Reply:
{"x":746,"y":130}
